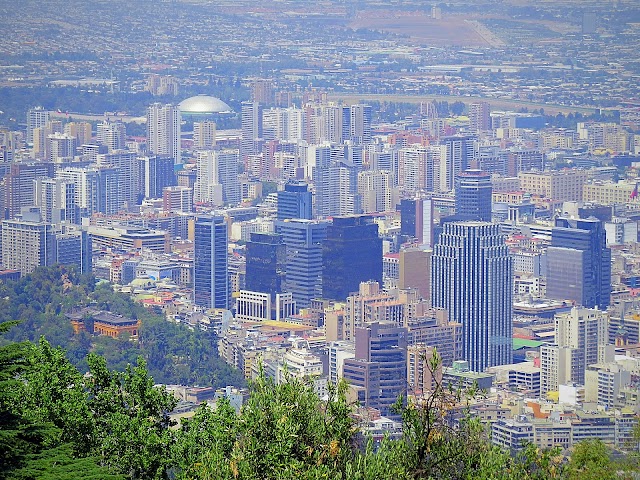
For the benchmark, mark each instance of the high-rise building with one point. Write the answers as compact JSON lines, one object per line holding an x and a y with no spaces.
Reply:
{"x":128,"y":172}
{"x":295,"y":201}
{"x":97,"y":190}
{"x":177,"y":199}
{"x":204,"y":134}
{"x":579,"y":263}
{"x":163,"y":131}
{"x":472,"y":278}
{"x":336,"y":191}
{"x":19,"y":185}
{"x":156,"y":172}
{"x":60,"y":147}
{"x":415,"y":271}
{"x":56,"y":200}
{"x":211,"y":286}
{"x":303,"y":240}
{"x":112,"y":134}
{"x":473,"y":196}
{"x":360,"y":124}
{"x":217,"y":177}
{"x":81,"y":131}
{"x":377,"y":191}
{"x":458,"y":155}
{"x":262,"y":91}
{"x":479,"y":117}
{"x":252,"y":134}
{"x":266,"y":263}
{"x":580,"y":338}
{"x":28,"y":242}
{"x":378,"y":373}
{"x":36,"y":117}
{"x":352,"y":253}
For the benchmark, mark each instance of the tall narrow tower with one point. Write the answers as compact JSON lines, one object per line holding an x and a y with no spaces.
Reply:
{"x":211,"y":287}
{"x":472,"y":277}
{"x":163,"y":130}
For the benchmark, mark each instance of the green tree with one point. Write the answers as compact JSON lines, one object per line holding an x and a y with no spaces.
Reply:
{"x":590,"y":461}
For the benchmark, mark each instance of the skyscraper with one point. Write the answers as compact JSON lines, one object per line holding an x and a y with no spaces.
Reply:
{"x":473,"y":196}
{"x":458,"y":154}
{"x":472,"y":277}
{"x":251,"y":129}
{"x":163,"y":130}
{"x":352,"y":253}
{"x":156,"y":172}
{"x":579,"y":263}
{"x":217,"y":177}
{"x":266,"y":263}
{"x":295,"y":201}
{"x":378,"y":373}
{"x":303,"y":240}
{"x":211,"y":286}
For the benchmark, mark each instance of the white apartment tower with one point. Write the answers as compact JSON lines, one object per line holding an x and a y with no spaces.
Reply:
{"x":163,"y":130}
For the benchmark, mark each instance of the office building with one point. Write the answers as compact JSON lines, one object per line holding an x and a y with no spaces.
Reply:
{"x":472,"y":278}
{"x":458,"y":155}
{"x":378,"y":372}
{"x":163,"y":131}
{"x":352,"y":253}
{"x":266,"y":263}
{"x":579,"y":263}
{"x":156,"y":172}
{"x":211,"y":286}
{"x":473,"y":196}
{"x":303,"y":240}
{"x":295,"y":201}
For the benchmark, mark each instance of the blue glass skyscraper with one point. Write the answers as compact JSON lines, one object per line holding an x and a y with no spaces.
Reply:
{"x":211,"y":286}
{"x":303,"y":241}
{"x":472,"y":278}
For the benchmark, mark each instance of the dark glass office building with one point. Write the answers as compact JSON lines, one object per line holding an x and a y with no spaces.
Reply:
{"x":473,"y":196}
{"x":352,"y":253}
{"x":303,"y":240}
{"x":295,"y":201}
{"x":579,"y":263}
{"x":211,"y":286}
{"x":266,"y":263}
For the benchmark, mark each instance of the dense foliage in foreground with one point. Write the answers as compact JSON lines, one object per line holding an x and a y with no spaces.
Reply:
{"x":174,"y":354}
{"x":58,"y":423}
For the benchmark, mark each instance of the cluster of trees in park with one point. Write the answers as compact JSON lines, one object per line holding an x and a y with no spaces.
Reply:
{"x":59,"y":423}
{"x":174,"y":353}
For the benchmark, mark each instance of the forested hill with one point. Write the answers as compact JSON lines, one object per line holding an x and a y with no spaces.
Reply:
{"x":174,"y":354}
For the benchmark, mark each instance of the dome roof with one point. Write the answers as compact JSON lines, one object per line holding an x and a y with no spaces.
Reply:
{"x":203,"y":104}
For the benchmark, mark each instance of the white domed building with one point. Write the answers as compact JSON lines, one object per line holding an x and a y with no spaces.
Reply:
{"x":203,"y":106}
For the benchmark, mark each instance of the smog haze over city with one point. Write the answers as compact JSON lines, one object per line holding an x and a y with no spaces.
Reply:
{"x":286,"y":239}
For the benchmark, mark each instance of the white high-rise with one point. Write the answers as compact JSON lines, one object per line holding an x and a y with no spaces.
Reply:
{"x":472,"y":278}
{"x":581,"y":336}
{"x":217,"y":177}
{"x":163,"y":130}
